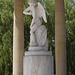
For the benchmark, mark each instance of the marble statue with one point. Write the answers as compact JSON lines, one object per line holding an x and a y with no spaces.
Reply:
{"x":38,"y":32}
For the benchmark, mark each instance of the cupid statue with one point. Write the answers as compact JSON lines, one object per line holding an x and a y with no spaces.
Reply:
{"x":38,"y":37}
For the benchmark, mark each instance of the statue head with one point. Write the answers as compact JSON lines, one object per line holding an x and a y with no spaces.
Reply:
{"x":33,"y":2}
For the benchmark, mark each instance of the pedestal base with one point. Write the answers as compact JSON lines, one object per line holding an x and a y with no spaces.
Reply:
{"x":38,"y":63}
{"x":37,"y":48}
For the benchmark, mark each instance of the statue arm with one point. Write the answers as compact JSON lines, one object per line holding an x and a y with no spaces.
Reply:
{"x":33,"y":22}
{"x":34,"y":17}
{"x":27,"y":11}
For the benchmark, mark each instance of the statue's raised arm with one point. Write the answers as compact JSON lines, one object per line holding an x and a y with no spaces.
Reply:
{"x":27,"y":11}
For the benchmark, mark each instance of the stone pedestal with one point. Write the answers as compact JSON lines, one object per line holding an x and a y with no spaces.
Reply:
{"x":38,"y":63}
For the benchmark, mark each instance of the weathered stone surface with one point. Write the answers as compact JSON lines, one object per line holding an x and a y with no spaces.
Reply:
{"x":38,"y":48}
{"x":38,"y":53}
{"x":38,"y":64}
{"x":38,"y":32}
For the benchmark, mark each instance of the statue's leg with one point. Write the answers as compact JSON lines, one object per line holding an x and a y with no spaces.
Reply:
{"x":35,"y":26}
{"x":32,"y":39}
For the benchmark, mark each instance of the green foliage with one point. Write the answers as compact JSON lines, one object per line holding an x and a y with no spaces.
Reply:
{"x":6,"y":40}
{"x":70,"y":35}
